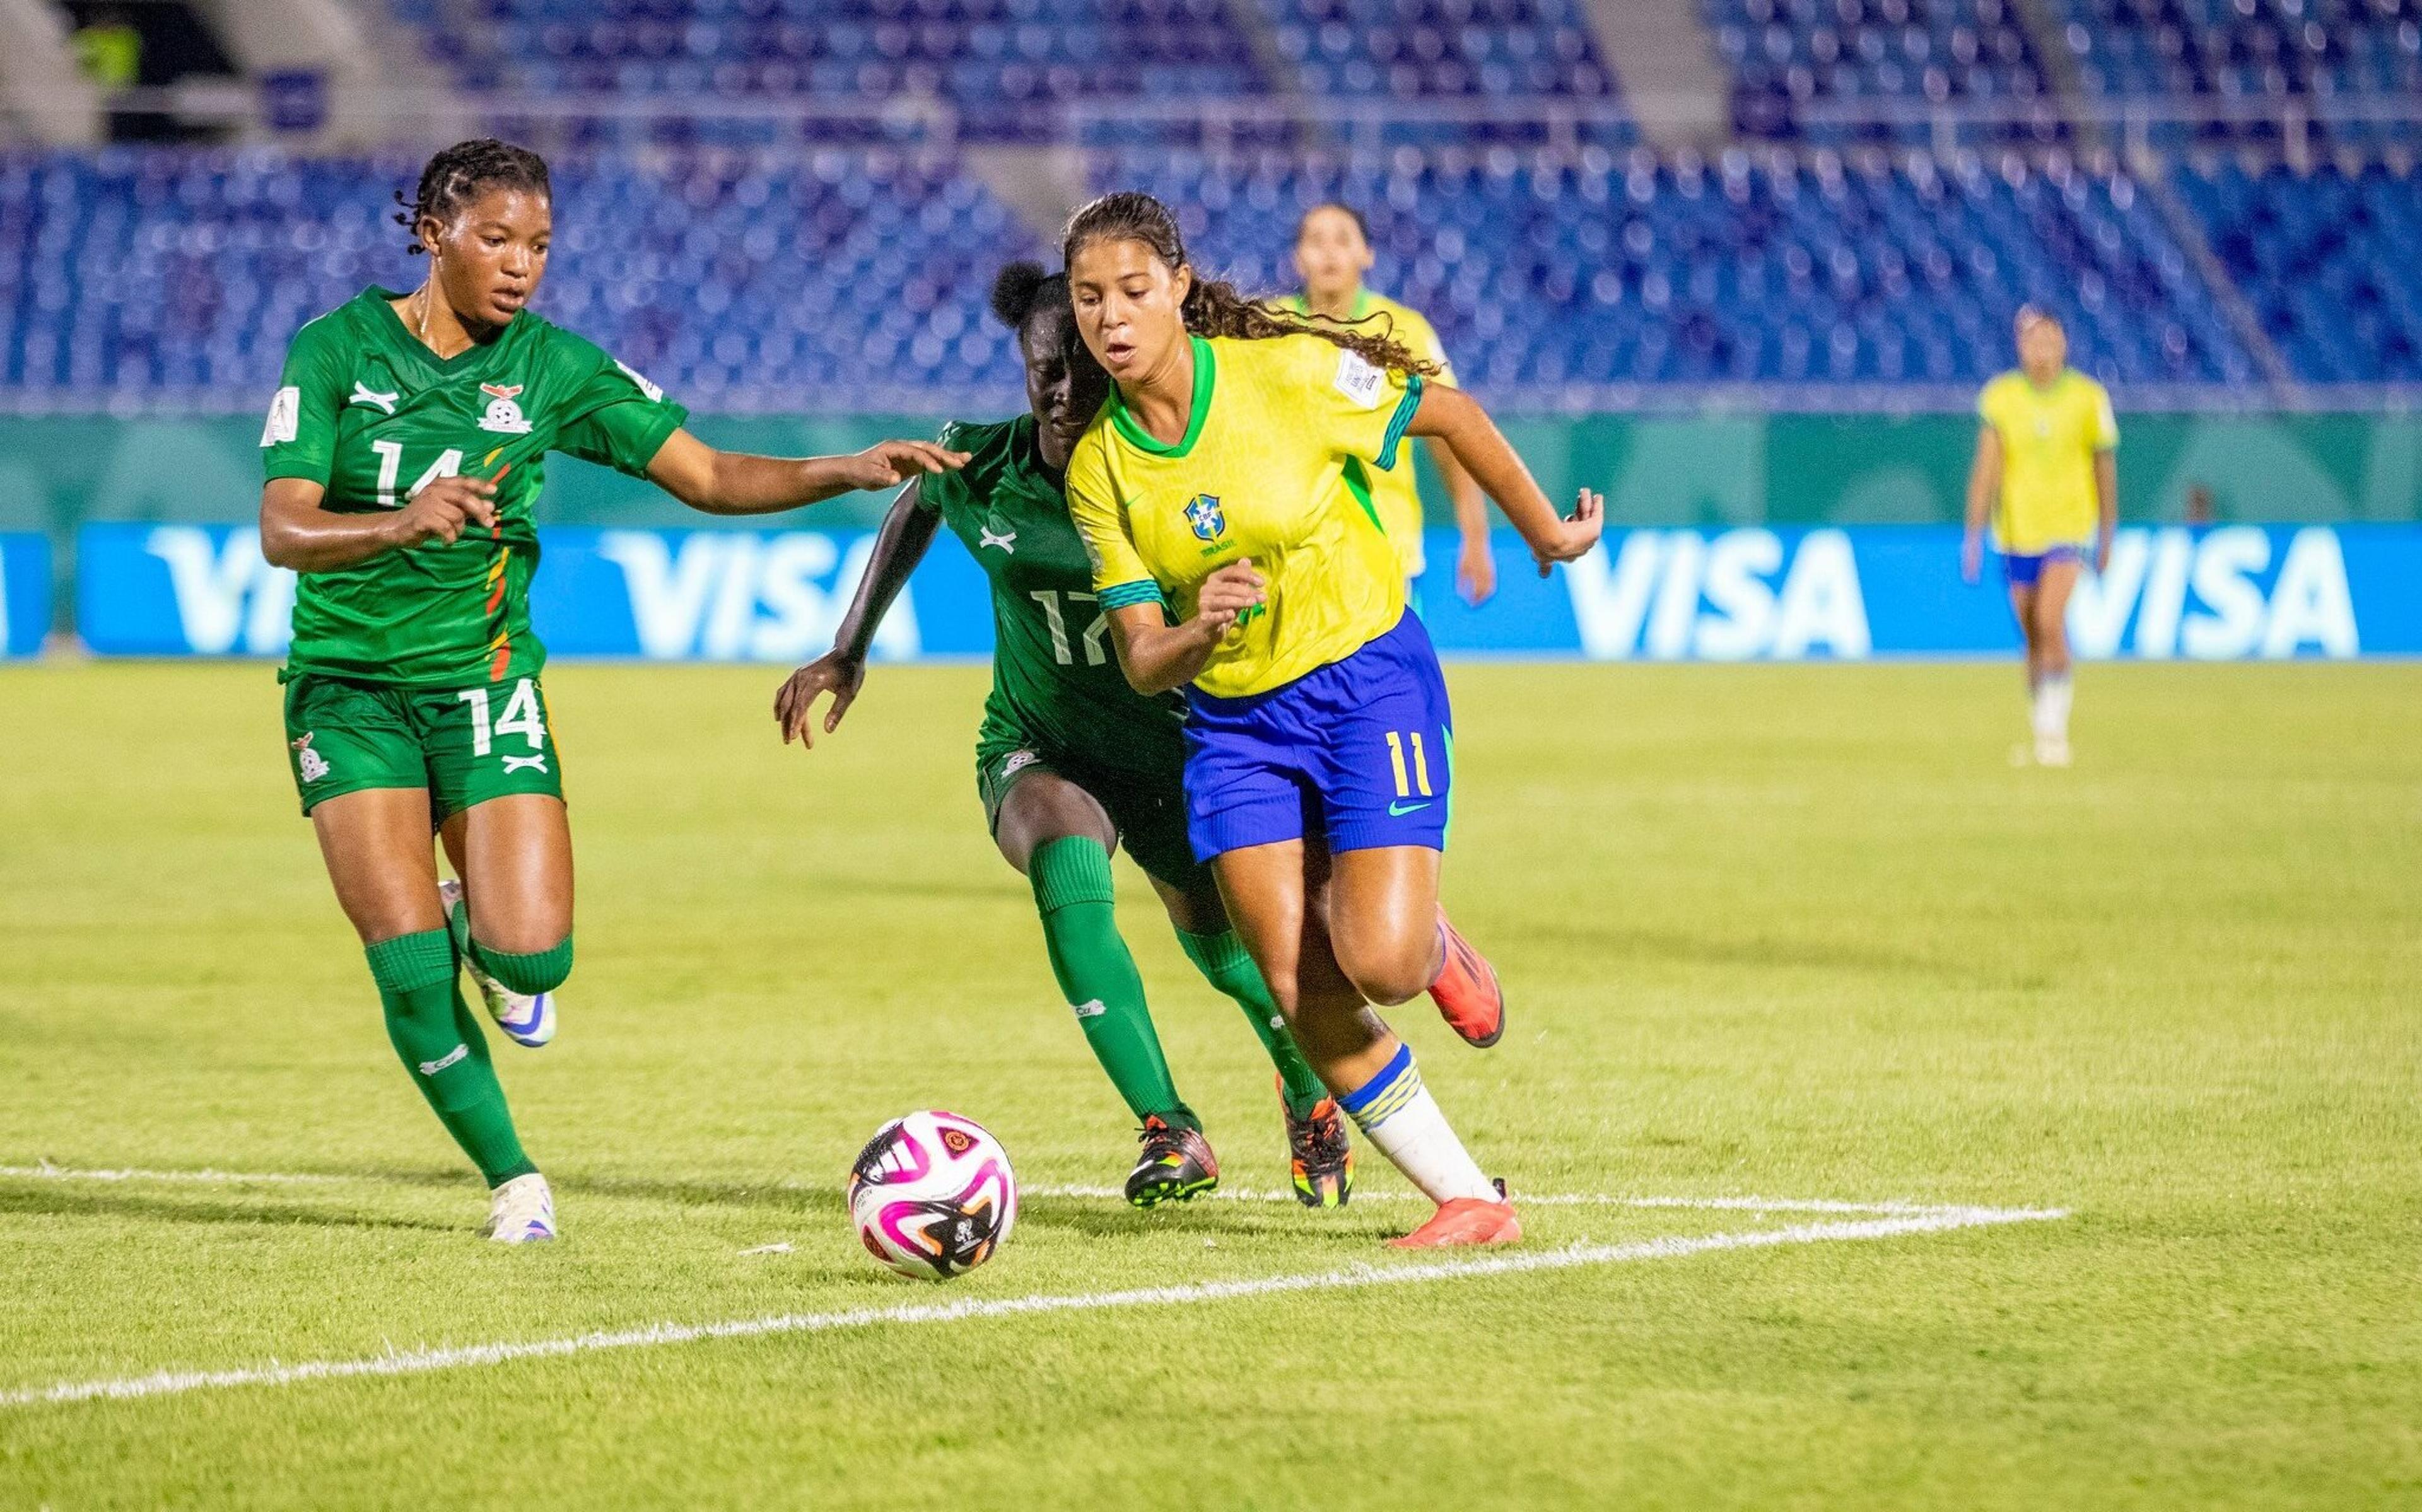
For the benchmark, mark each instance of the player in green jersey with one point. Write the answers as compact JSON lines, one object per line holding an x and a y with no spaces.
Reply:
{"x":403,"y":451}
{"x":1070,"y":761}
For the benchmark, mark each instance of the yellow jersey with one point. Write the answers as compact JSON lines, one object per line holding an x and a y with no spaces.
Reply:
{"x":1396,"y":493}
{"x":2050,"y":438}
{"x":1275,"y":466}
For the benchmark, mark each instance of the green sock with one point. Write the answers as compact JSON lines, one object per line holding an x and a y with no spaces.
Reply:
{"x":442,"y":1046}
{"x":529,"y":973}
{"x":1225,"y":962}
{"x":1072,"y":890}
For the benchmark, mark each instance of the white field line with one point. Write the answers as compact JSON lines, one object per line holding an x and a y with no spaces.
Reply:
{"x":1551,"y":1199}
{"x":1566,"y":1199}
{"x":422,"y":1361}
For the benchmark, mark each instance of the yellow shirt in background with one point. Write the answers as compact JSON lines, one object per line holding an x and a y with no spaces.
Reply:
{"x":1274,"y":465}
{"x":2050,"y":438}
{"x":1396,"y":493}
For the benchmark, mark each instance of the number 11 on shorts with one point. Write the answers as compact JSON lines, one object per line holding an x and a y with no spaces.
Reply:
{"x":1419,"y":777}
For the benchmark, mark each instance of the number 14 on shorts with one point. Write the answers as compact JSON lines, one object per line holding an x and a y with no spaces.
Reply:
{"x":521,"y":717}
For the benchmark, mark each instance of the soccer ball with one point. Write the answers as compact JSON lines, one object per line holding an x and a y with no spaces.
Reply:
{"x":933,"y":1195}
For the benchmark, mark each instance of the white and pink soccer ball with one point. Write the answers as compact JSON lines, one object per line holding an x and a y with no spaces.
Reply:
{"x":933,"y":1195}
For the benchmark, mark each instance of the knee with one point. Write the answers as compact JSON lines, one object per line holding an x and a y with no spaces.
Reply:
{"x":1397,"y":973}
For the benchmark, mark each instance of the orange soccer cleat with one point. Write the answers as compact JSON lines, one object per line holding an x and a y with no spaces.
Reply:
{"x":1465,"y":1221}
{"x":1465,"y":991}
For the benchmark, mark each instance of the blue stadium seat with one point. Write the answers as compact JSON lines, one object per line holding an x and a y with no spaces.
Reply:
{"x":1811,"y":267}
{"x":2327,"y":260}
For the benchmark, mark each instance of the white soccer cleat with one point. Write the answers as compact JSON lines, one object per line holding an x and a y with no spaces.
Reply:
{"x":526,"y":1020}
{"x":522,"y":1211}
{"x":2051,"y":749}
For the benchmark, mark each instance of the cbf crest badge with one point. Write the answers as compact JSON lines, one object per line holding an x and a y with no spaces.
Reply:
{"x":504,"y":414}
{"x":1203,"y":513}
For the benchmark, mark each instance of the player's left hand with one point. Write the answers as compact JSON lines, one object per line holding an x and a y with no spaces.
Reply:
{"x":795,"y":706}
{"x":1475,"y":571}
{"x":2102,"y":556}
{"x":1582,"y":529}
{"x":889,"y":464}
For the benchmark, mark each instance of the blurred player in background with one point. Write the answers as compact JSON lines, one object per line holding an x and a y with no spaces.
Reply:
{"x":2047,"y":478}
{"x":403,"y":451}
{"x":1071,"y":761}
{"x":1333,"y":252}
{"x":1237,"y":558}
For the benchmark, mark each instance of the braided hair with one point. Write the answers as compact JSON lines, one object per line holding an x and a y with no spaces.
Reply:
{"x":1213,"y":306}
{"x":454,"y":178}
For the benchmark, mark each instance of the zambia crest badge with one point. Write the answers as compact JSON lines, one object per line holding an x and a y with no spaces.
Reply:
{"x":1203,"y":513}
{"x":504,"y":410}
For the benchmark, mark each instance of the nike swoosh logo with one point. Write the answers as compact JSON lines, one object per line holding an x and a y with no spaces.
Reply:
{"x":1397,"y":811}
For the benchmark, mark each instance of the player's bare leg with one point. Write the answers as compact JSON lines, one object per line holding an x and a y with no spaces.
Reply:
{"x":2049,"y":636}
{"x":1395,"y":942}
{"x":2023,"y":608}
{"x":513,"y":900}
{"x":1279,"y":895}
{"x":384,"y":872}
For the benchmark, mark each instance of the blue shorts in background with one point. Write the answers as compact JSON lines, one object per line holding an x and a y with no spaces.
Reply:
{"x":1359,"y":752}
{"x":2025,"y":571}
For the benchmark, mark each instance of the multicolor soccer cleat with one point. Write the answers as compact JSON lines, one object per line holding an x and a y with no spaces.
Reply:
{"x":526,"y":1020}
{"x":1467,"y":993}
{"x":522,"y":1211}
{"x":1324,"y":1157}
{"x":1465,"y":1221}
{"x":1176,"y":1165}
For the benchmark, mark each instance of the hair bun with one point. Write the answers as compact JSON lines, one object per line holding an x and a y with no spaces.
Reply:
{"x":1015,"y":291}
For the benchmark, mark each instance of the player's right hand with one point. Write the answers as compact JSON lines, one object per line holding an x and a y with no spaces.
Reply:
{"x":444,"y":509}
{"x":1972,"y":559}
{"x":1227,"y":594}
{"x":1578,"y":533}
{"x":795,"y":706}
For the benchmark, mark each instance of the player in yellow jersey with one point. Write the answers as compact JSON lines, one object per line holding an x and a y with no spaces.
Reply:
{"x":1333,"y":252}
{"x":1223,"y":495}
{"x":2047,"y":478}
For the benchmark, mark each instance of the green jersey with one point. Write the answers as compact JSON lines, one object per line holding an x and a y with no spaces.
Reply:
{"x":1054,"y":671}
{"x":368,"y":412}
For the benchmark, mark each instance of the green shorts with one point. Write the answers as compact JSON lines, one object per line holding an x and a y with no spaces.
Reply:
{"x":1148,"y":811}
{"x":464,"y":746}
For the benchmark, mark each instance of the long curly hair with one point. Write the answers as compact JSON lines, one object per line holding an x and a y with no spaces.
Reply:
{"x":1213,"y":306}
{"x":454,"y":178}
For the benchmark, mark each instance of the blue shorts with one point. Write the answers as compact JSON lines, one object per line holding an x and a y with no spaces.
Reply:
{"x":1359,"y":752}
{"x":2024,"y":571}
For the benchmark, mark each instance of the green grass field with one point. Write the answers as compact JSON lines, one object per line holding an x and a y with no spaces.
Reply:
{"x":1794,"y":933}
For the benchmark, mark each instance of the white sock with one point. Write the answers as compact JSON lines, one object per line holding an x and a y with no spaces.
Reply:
{"x":2052,"y":699}
{"x":1400,"y":1118}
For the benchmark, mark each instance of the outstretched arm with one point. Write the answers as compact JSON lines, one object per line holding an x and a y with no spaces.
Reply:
{"x":1456,"y":419}
{"x":1983,"y":486}
{"x":899,"y":546}
{"x":737,"y":483}
{"x":1475,"y":569}
{"x":2106,"y":497}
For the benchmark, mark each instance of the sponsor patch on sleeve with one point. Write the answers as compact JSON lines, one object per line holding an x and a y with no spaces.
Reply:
{"x":1359,"y":380}
{"x":284,"y":417}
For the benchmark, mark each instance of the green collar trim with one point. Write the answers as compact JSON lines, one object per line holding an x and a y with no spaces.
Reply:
{"x":1206,"y":377}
